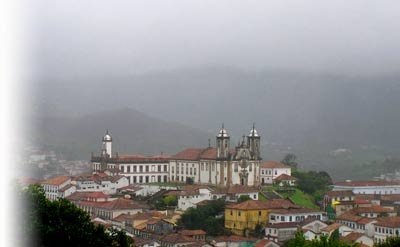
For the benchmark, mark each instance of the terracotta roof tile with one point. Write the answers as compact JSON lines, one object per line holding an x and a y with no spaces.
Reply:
{"x":177,"y":238}
{"x":388,"y":221}
{"x":192,"y":232}
{"x":349,"y":217}
{"x":331,"y":227}
{"x":285,"y":177}
{"x":56,"y":180}
{"x":351,"y":237}
{"x":372,"y":209}
{"x":339,"y":193}
{"x":295,"y":210}
{"x":188,"y":154}
{"x":234,"y":238}
{"x":262,"y":243}
{"x":273,"y":164}
{"x":269,"y":204}
{"x":366,"y":183}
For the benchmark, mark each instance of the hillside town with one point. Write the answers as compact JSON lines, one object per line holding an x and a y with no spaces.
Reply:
{"x":264,"y":203}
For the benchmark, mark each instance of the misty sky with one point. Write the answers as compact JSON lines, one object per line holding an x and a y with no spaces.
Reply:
{"x":129,"y":37}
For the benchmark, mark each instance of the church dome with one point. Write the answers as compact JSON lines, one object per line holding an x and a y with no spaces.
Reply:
{"x":253,"y":132}
{"x":223,"y":133}
{"x":107,"y":137}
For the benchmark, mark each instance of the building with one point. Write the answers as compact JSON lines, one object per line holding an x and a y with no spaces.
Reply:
{"x":271,"y":170}
{"x":247,"y":215}
{"x":58,"y":187}
{"x":220,"y":165}
{"x":294,"y":214}
{"x":386,"y":227}
{"x":100,"y":182}
{"x":369,"y":187}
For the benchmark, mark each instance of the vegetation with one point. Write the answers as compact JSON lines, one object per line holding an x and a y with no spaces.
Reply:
{"x":300,"y":241}
{"x":205,"y":218}
{"x":390,"y":242}
{"x":290,"y":160}
{"x":302,"y":199}
{"x":313,"y":183}
{"x":167,"y":202}
{"x":243,"y":198}
{"x":189,"y":180}
{"x":61,"y":223}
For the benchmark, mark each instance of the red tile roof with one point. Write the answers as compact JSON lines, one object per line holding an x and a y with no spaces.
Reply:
{"x":273,"y":164}
{"x":234,"y":238}
{"x":56,"y":180}
{"x":364,"y":221}
{"x":331,"y":227}
{"x":118,"y":204}
{"x":177,"y":238}
{"x":366,"y":183}
{"x":188,"y":154}
{"x":388,"y":221}
{"x":269,"y":204}
{"x":339,"y":193}
{"x":262,"y":243}
{"x":349,"y":217}
{"x":235,"y":189}
{"x":65,"y":188}
{"x":295,"y":210}
{"x":351,"y":237}
{"x":285,"y":177}
{"x":192,"y":232}
{"x":372,"y":209}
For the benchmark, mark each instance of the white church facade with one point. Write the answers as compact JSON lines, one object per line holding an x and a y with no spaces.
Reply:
{"x":218,"y":166}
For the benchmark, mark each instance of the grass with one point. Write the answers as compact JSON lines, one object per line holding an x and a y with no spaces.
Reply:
{"x":302,"y":199}
{"x":261,"y":197}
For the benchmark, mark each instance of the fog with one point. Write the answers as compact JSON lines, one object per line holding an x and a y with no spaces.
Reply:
{"x":314,"y":76}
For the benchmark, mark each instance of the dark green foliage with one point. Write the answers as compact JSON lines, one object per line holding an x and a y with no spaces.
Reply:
{"x":390,"y":242}
{"x":243,"y":198}
{"x":189,"y":180}
{"x":204,"y":218}
{"x":312,"y":182}
{"x":290,"y":160}
{"x":61,"y":223}
{"x":299,"y":241}
{"x":166,"y":202}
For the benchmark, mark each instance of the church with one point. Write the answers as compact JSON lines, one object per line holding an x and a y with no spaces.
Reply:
{"x":212,"y":166}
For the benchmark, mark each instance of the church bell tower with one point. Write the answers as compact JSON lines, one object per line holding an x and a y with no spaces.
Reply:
{"x":223,"y":144}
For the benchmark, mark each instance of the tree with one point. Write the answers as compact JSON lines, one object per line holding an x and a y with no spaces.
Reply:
{"x":290,"y":160}
{"x":205,"y":218}
{"x":59,"y":222}
{"x":300,"y":241}
{"x":171,"y":200}
{"x":189,"y":180}
{"x":243,"y":198}
{"x":389,"y":242}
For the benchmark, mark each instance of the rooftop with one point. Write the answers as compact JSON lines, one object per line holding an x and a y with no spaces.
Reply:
{"x":273,"y":164}
{"x":366,"y":183}
{"x":269,"y":204}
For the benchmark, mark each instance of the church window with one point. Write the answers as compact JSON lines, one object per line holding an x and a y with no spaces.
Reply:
{"x":129,"y":169}
{"x":147,"y":168}
{"x":159,"y":168}
{"x":134,"y":168}
{"x":165,"y":168}
{"x":140,"y":168}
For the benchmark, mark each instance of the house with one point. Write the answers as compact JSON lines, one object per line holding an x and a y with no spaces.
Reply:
{"x":266,"y":243}
{"x":369,"y":187}
{"x":270,"y":170}
{"x":311,"y":228}
{"x":386,"y":227}
{"x":176,"y":240}
{"x":281,"y":232}
{"x":111,"y":208}
{"x":359,"y":238}
{"x":341,"y":196}
{"x":343,"y":230}
{"x":285,"y":180}
{"x":234,"y":241}
{"x":247,"y":215}
{"x":233,"y":192}
{"x":141,"y":242}
{"x":294,"y":214}
{"x":100,"y":182}
{"x":199,"y":235}
{"x":58,"y":187}
{"x":191,"y":195}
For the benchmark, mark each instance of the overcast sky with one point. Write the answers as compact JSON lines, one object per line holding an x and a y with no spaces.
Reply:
{"x":125,"y":37}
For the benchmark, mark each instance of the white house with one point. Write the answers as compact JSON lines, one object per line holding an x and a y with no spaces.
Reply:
{"x":369,"y":187}
{"x":191,"y":195}
{"x":294,"y":215}
{"x":100,"y":183}
{"x":271,"y":170}
{"x":58,"y":187}
{"x":234,"y":192}
{"x":386,"y":227}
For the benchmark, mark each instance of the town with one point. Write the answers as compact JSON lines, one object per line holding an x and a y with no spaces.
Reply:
{"x":225,"y":197}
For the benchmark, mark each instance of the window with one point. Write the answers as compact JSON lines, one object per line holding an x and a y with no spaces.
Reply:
{"x":134,"y":168}
{"x":159,"y":168}
{"x":172,"y":169}
{"x":140,"y":168}
{"x":259,"y":213}
{"x":231,"y":212}
{"x":194,"y":171}
{"x":147,"y":168}
{"x":165,"y":168}
{"x":129,"y":169}
{"x":122,"y":168}
{"x":239,"y":213}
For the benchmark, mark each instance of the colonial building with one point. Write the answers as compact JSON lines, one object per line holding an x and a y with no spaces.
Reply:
{"x":220,"y":166}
